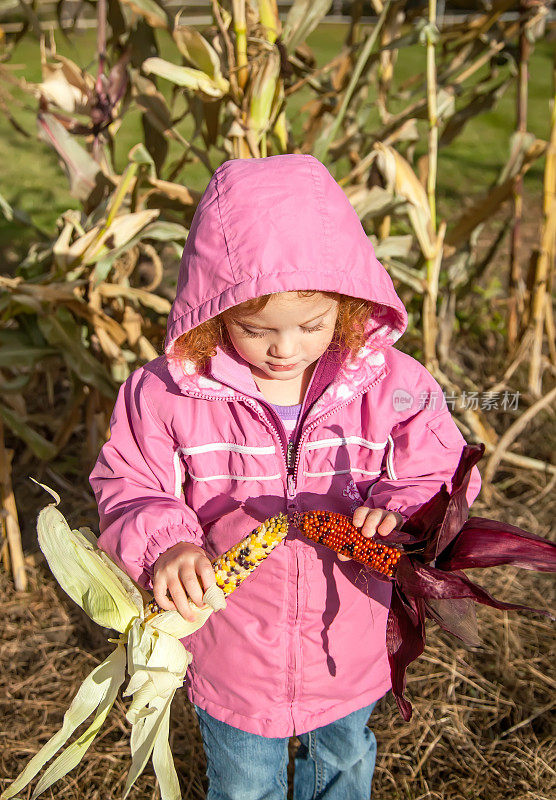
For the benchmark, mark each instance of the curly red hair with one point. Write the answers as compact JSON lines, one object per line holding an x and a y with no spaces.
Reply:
{"x":199,"y":344}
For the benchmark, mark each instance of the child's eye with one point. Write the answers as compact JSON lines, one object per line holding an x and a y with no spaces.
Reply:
{"x":253,"y":333}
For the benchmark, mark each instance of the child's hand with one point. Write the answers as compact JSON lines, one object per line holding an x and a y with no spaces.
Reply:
{"x":374,"y":520}
{"x":184,"y":571}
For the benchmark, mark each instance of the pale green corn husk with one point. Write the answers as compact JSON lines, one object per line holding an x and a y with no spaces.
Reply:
{"x":149,"y":644}
{"x":262,"y":95}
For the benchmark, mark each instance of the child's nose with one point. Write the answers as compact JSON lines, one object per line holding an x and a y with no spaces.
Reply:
{"x":284,"y":347}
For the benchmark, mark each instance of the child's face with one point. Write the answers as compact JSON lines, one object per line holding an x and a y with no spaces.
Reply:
{"x":287,"y":336}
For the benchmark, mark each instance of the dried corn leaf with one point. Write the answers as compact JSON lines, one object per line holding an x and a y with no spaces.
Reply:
{"x":190,"y":78}
{"x":196,"y":49}
{"x":402,"y":181}
{"x":61,"y":331}
{"x":154,"y":104}
{"x":158,"y":304}
{"x":62,"y":244}
{"x":303,"y":17}
{"x":151,"y":11}
{"x":399,"y":175}
{"x":45,"y":292}
{"x":156,"y":142}
{"x":146,"y":351}
{"x":82,"y":170}
{"x":40,"y":446}
{"x":393,"y":247}
{"x":262,"y":94}
{"x":158,"y":231}
{"x":21,"y":302}
{"x":523,"y":148}
{"x":480,"y":102}
{"x":174,"y":191}
{"x":66,"y":85}
{"x":97,"y":317}
{"x":23,"y":355}
{"x":132,"y":324}
{"x":101,"y":241}
{"x":374,"y":202}
{"x":15,"y":385}
{"x":109,"y":348}
{"x":488,"y":204}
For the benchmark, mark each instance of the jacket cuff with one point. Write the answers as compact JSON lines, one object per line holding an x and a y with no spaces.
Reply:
{"x":163,"y":539}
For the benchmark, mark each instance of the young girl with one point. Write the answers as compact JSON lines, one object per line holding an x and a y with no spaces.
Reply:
{"x":280,"y":391}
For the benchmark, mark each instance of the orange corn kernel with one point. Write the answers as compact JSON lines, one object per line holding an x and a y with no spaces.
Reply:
{"x":337,"y":532}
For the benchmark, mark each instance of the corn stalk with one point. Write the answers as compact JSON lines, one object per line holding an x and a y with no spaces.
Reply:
{"x":10,"y":519}
{"x":240,"y":30}
{"x":433,"y":261}
{"x":516,"y":300}
{"x":78,"y":307}
{"x":541,"y":304}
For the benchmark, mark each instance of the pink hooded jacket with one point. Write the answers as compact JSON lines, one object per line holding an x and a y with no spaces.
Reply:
{"x":205,"y":458}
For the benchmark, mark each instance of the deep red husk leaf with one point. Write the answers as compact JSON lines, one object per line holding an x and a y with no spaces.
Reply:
{"x":405,"y":641}
{"x":438,"y":541}
{"x":422,"y":580}
{"x":444,"y":541}
{"x":457,"y":617}
{"x":488,"y":543}
{"x":457,"y":510}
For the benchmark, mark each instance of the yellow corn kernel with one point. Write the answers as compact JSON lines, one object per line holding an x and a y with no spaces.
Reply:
{"x":232,"y":567}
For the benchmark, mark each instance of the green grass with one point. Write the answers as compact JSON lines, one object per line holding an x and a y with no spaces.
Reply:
{"x":33,"y":181}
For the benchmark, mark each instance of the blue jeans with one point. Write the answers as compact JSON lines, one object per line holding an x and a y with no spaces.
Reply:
{"x":335,"y":762}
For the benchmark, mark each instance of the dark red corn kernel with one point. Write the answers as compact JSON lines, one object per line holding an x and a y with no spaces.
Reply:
{"x":337,"y":532}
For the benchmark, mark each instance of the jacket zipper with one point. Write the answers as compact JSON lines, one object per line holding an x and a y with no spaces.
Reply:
{"x":286,"y":455}
{"x":265,"y":419}
{"x":293,"y":476}
{"x":291,"y":455}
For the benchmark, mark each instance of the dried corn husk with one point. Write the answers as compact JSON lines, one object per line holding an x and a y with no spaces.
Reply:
{"x":194,"y":79}
{"x":150,"y":644}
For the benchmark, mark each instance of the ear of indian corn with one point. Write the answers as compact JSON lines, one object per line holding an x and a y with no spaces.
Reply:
{"x":337,"y":532}
{"x":239,"y":561}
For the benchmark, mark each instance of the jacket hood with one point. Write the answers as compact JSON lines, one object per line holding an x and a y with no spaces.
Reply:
{"x":278,"y":224}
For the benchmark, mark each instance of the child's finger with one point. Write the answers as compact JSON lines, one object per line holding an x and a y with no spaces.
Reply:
{"x":160,"y":588}
{"x":373,"y":519}
{"x":359,"y":515}
{"x":390,"y":521}
{"x":179,"y":597}
{"x":191,"y":584}
{"x":205,"y":573}
{"x":387,"y":525}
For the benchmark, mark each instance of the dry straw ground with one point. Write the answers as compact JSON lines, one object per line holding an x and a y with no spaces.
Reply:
{"x":483,"y":723}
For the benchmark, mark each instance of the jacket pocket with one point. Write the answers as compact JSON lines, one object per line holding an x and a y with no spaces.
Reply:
{"x":224,"y":462}
{"x":446,"y":431}
{"x":344,"y":455}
